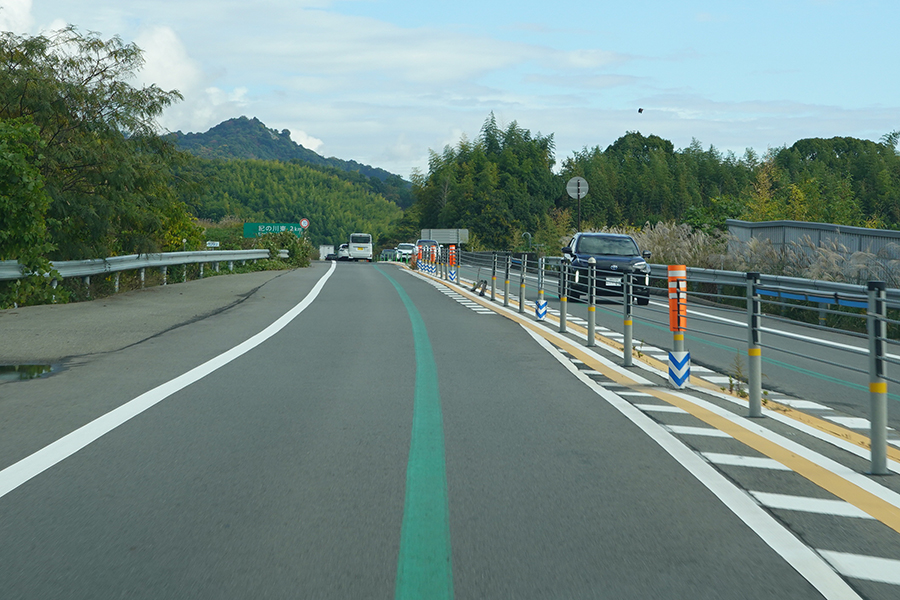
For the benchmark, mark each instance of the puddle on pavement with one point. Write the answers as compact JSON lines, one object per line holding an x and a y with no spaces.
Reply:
{"x":23,"y":372}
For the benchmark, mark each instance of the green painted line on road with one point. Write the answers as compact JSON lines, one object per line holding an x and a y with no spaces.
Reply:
{"x":424,"y":569}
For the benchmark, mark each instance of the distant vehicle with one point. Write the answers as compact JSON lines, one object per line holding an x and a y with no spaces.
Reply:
{"x":406,"y":250}
{"x":390,"y":254}
{"x":325,"y":251}
{"x":344,"y":252}
{"x":331,"y":256}
{"x":361,"y":246}
{"x":614,"y":254}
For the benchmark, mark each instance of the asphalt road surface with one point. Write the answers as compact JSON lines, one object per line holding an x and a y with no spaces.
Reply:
{"x":342,"y":431}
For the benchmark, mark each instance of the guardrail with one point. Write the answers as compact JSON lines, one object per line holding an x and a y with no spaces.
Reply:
{"x":747,"y":300}
{"x":11,"y":270}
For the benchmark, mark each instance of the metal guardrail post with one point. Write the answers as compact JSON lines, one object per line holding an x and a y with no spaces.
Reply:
{"x":523,"y":263}
{"x":877,"y":328}
{"x":563,"y":290}
{"x":754,"y":350}
{"x":592,"y":308}
{"x":627,"y":342}
{"x":164,"y":274}
{"x":494,"y":277}
{"x":506,"y":281}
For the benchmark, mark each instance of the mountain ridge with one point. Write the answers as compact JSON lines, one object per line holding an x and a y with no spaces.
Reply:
{"x":249,"y":138}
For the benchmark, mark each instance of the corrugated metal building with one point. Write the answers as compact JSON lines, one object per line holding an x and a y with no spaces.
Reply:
{"x":784,"y":233}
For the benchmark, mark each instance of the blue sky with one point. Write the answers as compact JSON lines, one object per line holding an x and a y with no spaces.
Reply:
{"x":383,"y":81}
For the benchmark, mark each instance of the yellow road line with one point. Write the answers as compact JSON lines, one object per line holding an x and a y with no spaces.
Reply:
{"x":871,"y":504}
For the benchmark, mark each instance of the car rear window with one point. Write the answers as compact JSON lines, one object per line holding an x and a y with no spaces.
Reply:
{"x":609,"y":246}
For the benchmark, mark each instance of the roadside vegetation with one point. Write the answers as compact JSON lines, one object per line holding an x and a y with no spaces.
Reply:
{"x":86,"y":173}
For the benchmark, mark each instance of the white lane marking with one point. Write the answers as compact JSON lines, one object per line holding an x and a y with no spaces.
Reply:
{"x":801,"y":404}
{"x":851,"y":422}
{"x":701,"y":431}
{"x":738,"y":460}
{"x":717,"y":379}
{"x":869,"y":568}
{"x":807,"y":563}
{"x":16,"y":474}
{"x":819,"y":506}
{"x":641,"y":394}
{"x":662,"y":408}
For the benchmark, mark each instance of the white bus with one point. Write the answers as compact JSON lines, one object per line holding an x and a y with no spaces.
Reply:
{"x":360,"y":246}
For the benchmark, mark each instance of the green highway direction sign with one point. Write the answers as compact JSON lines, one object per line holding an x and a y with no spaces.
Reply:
{"x":252,"y":230}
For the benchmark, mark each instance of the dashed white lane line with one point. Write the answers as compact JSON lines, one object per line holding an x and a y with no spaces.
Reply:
{"x":717,"y":379}
{"x":869,"y":568}
{"x":738,"y":460}
{"x":819,"y":506}
{"x":639,"y":394}
{"x":699,"y":431}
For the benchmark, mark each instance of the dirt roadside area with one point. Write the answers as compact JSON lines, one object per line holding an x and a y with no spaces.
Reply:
{"x":52,"y":333}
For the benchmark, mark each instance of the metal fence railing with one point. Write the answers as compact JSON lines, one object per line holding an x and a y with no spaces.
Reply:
{"x":756,"y":310}
{"x":11,"y":270}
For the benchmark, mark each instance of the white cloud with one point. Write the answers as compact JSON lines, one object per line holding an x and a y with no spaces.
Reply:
{"x":15,"y":16}
{"x":305,"y":140}
{"x":167,"y":63}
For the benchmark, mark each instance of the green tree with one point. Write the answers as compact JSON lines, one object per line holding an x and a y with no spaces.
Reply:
{"x":107,"y":173}
{"x":23,"y":208}
{"x":497,"y":187}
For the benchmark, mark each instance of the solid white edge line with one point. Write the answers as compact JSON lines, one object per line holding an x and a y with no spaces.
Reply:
{"x":824,"y":436}
{"x":803,"y":559}
{"x":20,"y":472}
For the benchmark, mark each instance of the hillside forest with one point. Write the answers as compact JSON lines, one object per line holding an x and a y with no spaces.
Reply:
{"x":85,"y":173}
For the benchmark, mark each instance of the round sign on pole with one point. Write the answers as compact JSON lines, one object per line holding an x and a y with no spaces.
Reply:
{"x":577,"y":187}
{"x":304,"y":223}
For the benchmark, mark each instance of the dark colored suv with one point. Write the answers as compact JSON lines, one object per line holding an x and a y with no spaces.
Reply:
{"x":615,"y":254}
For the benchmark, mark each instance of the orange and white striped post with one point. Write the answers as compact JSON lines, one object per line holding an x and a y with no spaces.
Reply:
{"x":452,"y":270}
{"x":679,"y":359}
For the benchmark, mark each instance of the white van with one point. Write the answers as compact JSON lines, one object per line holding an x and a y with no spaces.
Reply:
{"x":360,"y":246}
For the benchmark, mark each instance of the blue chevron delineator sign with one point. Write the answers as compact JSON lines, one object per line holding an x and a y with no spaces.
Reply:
{"x":540,"y":310}
{"x":452,"y":275}
{"x":679,"y":369}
